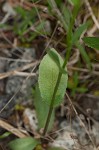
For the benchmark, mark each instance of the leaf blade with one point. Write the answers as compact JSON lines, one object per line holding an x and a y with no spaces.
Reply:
{"x":84,"y":55}
{"x":23,"y":144}
{"x":42,"y":110}
{"x":48,"y":74}
{"x":92,"y":42}
{"x":78,"y":32}
{"x":74,"y":2}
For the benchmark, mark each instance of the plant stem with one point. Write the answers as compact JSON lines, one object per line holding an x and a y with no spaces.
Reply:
{"x":69,"y":47}
{"x":52,"y":100}
{"x":55,"y":90}
{"x":51,"y":105}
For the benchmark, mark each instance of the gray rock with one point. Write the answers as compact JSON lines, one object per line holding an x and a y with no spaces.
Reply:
{"x":19,"y":84}
{"x":4,"y":113}
{"x":6,"y":107}
{"x":17,"y":87}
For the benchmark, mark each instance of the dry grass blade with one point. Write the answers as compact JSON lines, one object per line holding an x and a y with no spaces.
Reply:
{"x":25,"y":4}
{"x":19,"y":72}
{"x":12,"y":129}
{"x":17,"y":90}
{"x":84,"y":70}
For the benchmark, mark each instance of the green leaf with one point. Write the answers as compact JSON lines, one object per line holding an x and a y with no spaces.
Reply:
{"x":27,"y":143}
{"x":82,"y":89}
{"x":58,"y":2}
{"x":53,"y":6}
{"x":38,"y":31}
{"x":66,"y":14}
{"x":55,"y":58}
{"x":48,"y":74}
{"x":78,"y":32}
{"x":42,"y":110}
{"x":6,"y":134}
{"x":72,"y":22}
{"x":92,"y":42}
{"x":21,"y":11}
{"x":84,"y":55}
{"x":39,"y":147}
{"x":74,"y":2}
{"x":73,"y":83}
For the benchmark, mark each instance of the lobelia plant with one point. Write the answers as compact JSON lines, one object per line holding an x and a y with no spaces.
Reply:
{"x":50,"y":91}
{"x":52,"y":83}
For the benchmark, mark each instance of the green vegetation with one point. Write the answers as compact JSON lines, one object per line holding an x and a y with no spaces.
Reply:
{"x":53,"y":74}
